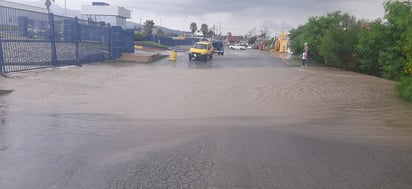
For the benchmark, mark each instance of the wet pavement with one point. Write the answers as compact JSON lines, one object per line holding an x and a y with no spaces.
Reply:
{"x":243,"y":120}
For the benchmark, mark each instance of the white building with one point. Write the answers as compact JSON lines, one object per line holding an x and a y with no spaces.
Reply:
{"x":103,"y":12}
{"x":22,"y":6}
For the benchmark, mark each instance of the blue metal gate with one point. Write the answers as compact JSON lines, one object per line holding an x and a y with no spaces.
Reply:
{"x":31,"y":40}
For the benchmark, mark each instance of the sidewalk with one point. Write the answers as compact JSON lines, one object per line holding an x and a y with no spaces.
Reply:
{"x":142,"y":57}
{"x":295,"y":61}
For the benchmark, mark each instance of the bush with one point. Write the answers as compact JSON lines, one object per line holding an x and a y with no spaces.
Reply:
{"x":404,"y":88}
{"x":151,"y":44}
{"x":139,"y":37}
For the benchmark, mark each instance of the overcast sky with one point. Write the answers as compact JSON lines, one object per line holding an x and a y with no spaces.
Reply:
{"x":238,"y":17}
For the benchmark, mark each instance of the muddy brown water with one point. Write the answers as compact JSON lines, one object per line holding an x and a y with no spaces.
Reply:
{"x":147,"y":126}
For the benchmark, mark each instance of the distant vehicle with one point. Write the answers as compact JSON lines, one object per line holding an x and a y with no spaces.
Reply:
{"x":218,"y":48}
{"x":244,"y":43}
{"x":202,"y":50}
{"x":237,"y":47}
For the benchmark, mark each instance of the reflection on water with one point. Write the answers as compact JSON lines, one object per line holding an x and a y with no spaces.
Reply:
{"x":201,"y":65}
{"x":3,"y":120}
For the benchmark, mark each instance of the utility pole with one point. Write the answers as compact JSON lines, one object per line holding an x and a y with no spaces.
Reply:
{"x":140,"y":24}
{"x":65,"y":8}
{"x":132,"y":15}
{"x":214,"y":29}
{"x":220,"y":29}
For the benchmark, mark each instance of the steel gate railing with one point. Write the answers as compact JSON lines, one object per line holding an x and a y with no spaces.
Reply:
{"x":32,"y":40}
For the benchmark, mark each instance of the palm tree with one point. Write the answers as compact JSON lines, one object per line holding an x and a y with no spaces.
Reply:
{"x":193,"y":27}
{"x":204,"y":29}
{"x":148,"y":27}
{"x":160,"y":32}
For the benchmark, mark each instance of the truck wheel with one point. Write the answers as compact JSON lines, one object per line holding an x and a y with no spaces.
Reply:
{"x":190,"y":58}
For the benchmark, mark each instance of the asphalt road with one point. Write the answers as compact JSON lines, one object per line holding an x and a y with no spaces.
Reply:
{"x":243,"y":120}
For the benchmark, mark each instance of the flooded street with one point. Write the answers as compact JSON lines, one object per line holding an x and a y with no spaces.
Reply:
{"x":243,"y":120}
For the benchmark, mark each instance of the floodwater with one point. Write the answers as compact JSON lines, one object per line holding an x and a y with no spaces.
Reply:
{"x":243,"y":120}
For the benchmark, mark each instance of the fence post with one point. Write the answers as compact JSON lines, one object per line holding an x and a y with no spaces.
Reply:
{"x":2,"y":66}
{"x":77,"y":39}
{"x":116,"y":41}
{"x":53,"y":39}
{"x":109,"y":41}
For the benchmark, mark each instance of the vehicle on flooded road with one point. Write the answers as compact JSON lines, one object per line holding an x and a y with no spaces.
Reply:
{"x":237,"y":47}
{"x":202,"y":50}
{"x":218,"y":48}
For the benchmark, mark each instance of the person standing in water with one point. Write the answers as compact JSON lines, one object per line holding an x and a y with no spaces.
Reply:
{"x":305,"y":59}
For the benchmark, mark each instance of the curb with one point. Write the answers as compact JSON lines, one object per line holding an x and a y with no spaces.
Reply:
{"x":136,"y":58}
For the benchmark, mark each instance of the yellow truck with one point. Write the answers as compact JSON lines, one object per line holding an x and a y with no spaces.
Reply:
{"x":202,"y":50}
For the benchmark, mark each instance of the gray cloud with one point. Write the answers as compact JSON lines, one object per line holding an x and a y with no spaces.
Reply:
{"x":240,"y":16}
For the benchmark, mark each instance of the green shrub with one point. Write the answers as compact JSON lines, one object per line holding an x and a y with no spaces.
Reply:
{"x":139,"y":37}
{"x":152,"y":44}
{"x":404,"y":88}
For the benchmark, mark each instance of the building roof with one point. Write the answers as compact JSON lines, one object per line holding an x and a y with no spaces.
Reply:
{"x":4,"y":3}
{"x":106,"y":11}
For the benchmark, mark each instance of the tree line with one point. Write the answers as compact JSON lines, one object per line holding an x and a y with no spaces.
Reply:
{"x":382,"y":47}
{"x":204,"y":28}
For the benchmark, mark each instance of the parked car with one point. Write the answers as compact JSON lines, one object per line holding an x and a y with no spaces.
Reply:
{"x":218,"y":48}
{"x":237,"y":47}
{"x":202,"y":50}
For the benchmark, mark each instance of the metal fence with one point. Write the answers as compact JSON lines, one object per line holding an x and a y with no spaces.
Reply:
{"x":32,"y":40}
{"x":168,"y":41}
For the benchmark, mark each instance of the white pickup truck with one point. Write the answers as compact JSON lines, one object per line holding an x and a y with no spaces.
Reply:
{"x":237,"y":47}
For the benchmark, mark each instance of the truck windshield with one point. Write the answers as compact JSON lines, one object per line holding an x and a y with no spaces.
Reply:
{"x":217,"y":45}
{"x":200,"y":46}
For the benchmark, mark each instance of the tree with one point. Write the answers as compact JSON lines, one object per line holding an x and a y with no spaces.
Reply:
{"x":382,"y":48}
{"x":264,"y":31}
{"x":48,"y":4}
{"x":313,"y":31}
{"x":160,"y":32}
{"x":297,"y":39}
{"x":252,"y":40}
{"x":337,"y":45}
{"x":193,"y":27}
{"x":395,"y":61}
{"x":369,"y":45}
{"x":204,"y":29}
{"x":148,"y":27}
{"x":399,"y":15}
{"x":211,"y":33}
{"x":385,"y":48}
